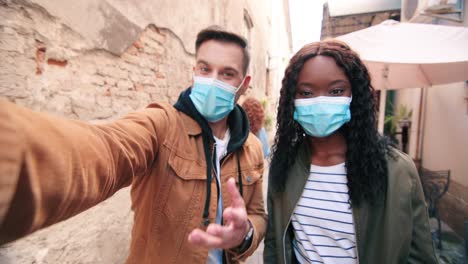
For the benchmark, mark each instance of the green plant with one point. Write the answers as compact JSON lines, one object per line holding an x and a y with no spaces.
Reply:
{"x":268,"y":123}
{"x":391,"y":121}
{"x":264,"y":103}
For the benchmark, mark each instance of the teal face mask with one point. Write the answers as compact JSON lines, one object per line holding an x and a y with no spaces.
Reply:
{"x":323,"y":115}
{"x":214,"y":99}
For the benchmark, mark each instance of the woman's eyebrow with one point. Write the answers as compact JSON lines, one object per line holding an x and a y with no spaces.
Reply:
{"x":339,"y":81}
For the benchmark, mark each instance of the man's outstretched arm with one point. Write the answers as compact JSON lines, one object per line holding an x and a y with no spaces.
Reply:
{"x":52,"y":168}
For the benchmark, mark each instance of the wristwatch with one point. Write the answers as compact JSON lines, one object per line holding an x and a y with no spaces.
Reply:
{"x":247,"y":240}
{"x":250,"y":233}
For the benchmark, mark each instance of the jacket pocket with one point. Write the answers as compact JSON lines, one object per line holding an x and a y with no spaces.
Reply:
{"x":250,"y":180}
{"x":187,"y":182}
{"x":182,"y":198}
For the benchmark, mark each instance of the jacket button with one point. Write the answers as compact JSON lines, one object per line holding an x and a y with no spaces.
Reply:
{"x":249,"y":179}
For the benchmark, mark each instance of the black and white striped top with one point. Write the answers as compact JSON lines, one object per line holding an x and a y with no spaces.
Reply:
{"x":323,"y":219}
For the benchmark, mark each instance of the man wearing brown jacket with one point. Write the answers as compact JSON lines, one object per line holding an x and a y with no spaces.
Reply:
{"x":195,"y":171}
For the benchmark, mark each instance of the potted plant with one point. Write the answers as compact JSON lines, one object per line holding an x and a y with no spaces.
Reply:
{"x":401,"y":118}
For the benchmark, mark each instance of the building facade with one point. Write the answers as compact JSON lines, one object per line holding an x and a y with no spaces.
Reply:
{"x":336,"y":23}
{"x":440,"y":119}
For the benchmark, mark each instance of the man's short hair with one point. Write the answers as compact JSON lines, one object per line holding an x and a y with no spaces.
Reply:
{"x":219,"y":34}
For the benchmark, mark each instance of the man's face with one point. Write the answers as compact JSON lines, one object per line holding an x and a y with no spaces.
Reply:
{"x":222,"y":61}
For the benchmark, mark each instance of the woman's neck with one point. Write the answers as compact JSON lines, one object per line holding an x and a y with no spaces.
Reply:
{"x":329,"y":150}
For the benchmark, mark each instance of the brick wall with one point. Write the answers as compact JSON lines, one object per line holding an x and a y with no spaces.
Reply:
{"x":45,"y":66}
{"x":48,"y":67}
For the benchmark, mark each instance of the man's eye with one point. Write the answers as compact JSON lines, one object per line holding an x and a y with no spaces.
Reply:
{"x":204,"y":69}
{"x":228,"y":74}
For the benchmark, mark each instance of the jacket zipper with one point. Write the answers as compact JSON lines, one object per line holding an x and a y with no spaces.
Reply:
{"x":356,"y":231}
{"x":286,"y":230}
{"x":215,"y":173}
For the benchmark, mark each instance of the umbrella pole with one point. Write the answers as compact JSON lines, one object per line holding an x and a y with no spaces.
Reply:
{"x":383,"y":99}
{"x":421,"y":125}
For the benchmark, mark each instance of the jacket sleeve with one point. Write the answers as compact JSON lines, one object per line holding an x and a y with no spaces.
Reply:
{"x":422,"y":248}
{"x":53,"y":168}
{"x":269,"y":252}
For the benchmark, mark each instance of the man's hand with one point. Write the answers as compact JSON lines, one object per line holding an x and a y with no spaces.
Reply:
{"x":231,"y":234}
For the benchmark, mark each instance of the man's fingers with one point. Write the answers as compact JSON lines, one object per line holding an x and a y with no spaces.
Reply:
{"x":200,"y":238}
{"x":236,"y":198}
{"x":235,"y":217}
{"x":218,"y":230}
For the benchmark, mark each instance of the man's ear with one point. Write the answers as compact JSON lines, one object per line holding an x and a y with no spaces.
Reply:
{"x":245,"y":85}
{"x":193,"y":74}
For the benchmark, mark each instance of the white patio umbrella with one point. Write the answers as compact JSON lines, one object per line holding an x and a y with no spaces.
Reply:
{"x":410,"y":55}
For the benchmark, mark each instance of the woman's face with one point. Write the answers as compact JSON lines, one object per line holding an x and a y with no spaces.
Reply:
{"x":321,"y":76}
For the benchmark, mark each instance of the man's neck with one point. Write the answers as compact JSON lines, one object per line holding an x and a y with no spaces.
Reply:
{"x":219,"y":128}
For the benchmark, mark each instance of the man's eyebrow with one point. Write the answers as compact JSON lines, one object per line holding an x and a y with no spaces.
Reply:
{"x":227,"y":68}
{"x":203,"y":62}
{"x":230,"y":69}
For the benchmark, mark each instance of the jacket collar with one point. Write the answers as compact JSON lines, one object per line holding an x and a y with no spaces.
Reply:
{"x":193,"y":129}
{"x":297,"y":178}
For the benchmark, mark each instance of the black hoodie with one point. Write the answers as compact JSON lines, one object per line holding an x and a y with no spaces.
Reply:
{"x":239,"y":128}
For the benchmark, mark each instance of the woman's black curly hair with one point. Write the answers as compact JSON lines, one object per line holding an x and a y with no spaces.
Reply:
{"x":366,"y":150}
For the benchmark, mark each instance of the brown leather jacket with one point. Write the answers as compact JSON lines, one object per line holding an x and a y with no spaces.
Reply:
{"x":52,"y":169}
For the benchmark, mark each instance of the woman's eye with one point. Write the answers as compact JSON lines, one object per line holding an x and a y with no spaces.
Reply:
{"x":337,"y":91}
{"x":305,"y":93}
{"x":204,"y":69}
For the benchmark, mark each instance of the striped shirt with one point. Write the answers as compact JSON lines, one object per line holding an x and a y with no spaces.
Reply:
{"x":323,"y":219}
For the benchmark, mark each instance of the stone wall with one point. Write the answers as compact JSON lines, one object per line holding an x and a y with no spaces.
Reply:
{"x":48,"y":67}
{"x":334,"y":26}
{"x":96,"y":60}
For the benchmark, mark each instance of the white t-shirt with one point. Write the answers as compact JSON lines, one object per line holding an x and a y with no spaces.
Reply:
{"x":323,"y":220}
{"x":215,"y":256}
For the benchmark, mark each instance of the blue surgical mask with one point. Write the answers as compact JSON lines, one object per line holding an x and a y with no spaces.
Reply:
{"x":323,"y":115}
{"x":214,"y":99}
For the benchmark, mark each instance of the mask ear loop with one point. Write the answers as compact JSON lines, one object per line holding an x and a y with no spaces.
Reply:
{"x":240,"y":85}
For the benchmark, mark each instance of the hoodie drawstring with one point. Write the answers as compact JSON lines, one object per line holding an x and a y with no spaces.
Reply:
{"x":206,"y":211}
{"x":239,"y":174}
